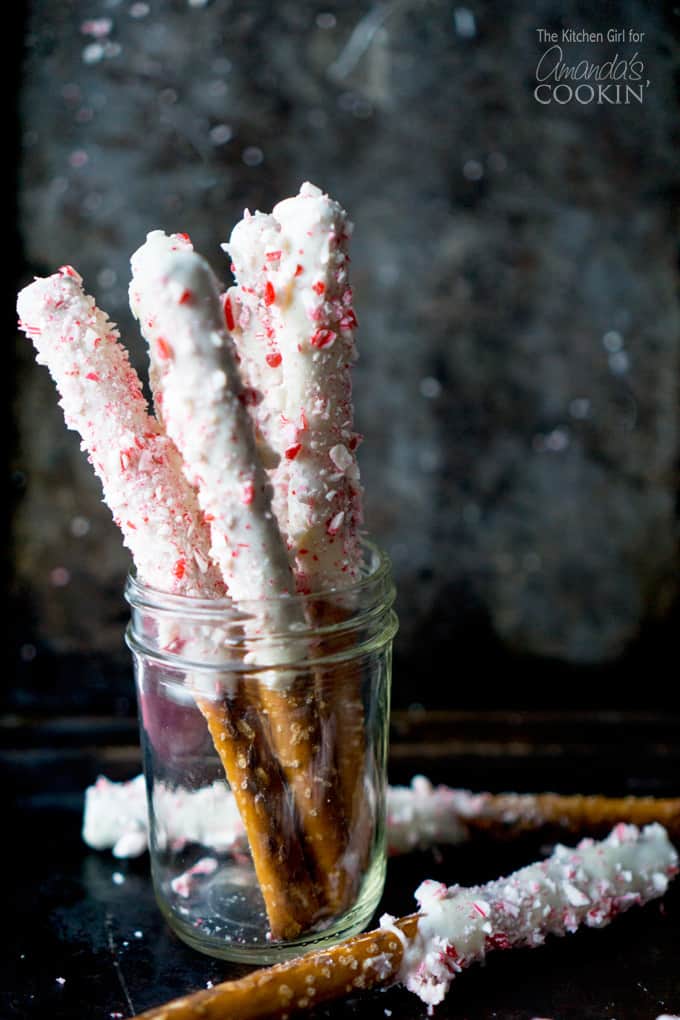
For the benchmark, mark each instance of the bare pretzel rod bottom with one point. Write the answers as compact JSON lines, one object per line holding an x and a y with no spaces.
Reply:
{"x":361,"y":962}
{"x":260,"y":793}
{"x":589,"y":814}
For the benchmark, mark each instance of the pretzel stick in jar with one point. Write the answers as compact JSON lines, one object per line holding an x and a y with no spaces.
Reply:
{"x":456,"y":927}
{"x":316,"y":337}
{"x":157,"y":511}
{"x":138,"y":465}
{"x":292,"y":320}
{"x":202,"y":402}
{"x":293,"y":324}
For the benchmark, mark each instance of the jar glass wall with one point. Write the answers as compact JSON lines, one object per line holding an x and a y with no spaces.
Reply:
{"x":265,"y":762}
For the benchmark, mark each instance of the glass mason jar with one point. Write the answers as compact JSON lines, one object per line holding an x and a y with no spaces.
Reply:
{"x":265,"y":762}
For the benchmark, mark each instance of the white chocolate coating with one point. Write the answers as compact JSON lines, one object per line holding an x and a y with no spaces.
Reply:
{"x":116,"y":816}
{"x":292,"y":273}
{"x":175,"y":296}
{"x":200,"y":398}
{"x":251,"y":324}
{"x":419,"y":815}
{"x":137,"y":464}
{"x":588,"y":885}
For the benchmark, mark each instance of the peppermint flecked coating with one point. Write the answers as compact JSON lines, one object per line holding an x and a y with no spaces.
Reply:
{"x":588,"y":885}
{"x":251,"y":325}
{"x":138,"y":465}
{"x":292,"y":274}
{"x":422,"y":815}
{"x":203,"y":407}
{"x":116,"y":816}
{"x":419,"y":815}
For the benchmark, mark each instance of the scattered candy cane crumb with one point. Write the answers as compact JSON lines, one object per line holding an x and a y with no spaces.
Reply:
{"x":185,"y":883}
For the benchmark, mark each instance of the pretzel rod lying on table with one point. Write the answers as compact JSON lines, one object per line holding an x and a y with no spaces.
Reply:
{"x":421,"y":814}
{"x":454,"y":928}
{"x":156,"y":509}
{"x":418,"y":816}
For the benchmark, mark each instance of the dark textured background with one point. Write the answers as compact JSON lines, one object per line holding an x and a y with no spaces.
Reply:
{"x":516,"y":284}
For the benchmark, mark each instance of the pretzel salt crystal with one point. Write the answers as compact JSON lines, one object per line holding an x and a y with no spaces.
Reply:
{"x":588,"y":885}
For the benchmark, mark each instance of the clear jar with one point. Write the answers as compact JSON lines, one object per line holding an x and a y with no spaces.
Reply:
{"x":265,"y":762}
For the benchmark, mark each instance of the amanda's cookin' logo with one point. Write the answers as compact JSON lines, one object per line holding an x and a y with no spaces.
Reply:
{"x":617,"y":81}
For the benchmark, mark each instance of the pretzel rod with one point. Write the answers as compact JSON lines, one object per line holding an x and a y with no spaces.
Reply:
{"x":151,"y":501}
{"x":266,"y":814}
{"x":577,"y":813}
{"x":293,"y":302}
{"x":418,"y":816}
{"x":301,"y":742}
{"x":454,"y":928}
{"x":422,"y":815}
{"x":175,"y":296}
{"x":339,"y":696}
{"x":201,"y":403}
{"x":290,"y":900}
{"x":138,"y":466}
{"x":292,"y":321}
{"x":314,"y":325}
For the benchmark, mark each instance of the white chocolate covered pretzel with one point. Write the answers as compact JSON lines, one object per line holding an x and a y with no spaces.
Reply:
{"x":250,"y":321}
{"x":138,"y":465}
{"x":291,"y":312}
{"x":418,"y":816}
{"x":201,"y":402}
{"x":588,"y":885}
{"x":162,"y":524}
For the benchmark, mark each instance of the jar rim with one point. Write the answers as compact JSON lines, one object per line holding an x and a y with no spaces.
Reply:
{"x":376,"y":572}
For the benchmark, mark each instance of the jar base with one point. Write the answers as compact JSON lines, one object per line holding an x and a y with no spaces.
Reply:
{"x":238,"y":926}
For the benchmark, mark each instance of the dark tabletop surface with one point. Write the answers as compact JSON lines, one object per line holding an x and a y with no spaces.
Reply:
{"x":84,"y":937}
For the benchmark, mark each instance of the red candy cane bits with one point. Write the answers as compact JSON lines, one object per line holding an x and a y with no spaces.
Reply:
{"x":229,"y":314}
{"x":260,"y":363}
{"x":318,"y":496}
{"x":313,"y":323}
{"x":139,"y":467}
{"x":455,"y":927}
{"x":215,"y":437}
